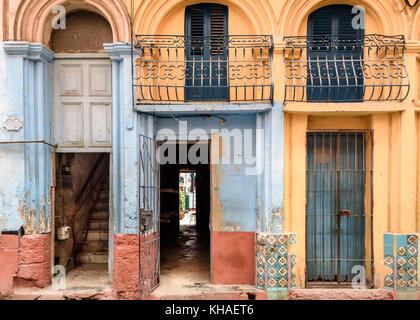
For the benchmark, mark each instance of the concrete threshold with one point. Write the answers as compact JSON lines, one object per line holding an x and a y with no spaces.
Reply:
{"x":207,"y":291}
{"x":341,"y":294}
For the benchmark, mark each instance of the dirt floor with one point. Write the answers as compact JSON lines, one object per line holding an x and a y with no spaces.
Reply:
{"x":88,"y":281}
{"x":185,"y":262}
{"x":185,"y":268}
{"x":185,"y":274}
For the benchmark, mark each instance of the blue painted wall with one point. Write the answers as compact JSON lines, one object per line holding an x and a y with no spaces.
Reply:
{"x":270,"y":182}
{"x":250,"y":202}
{"x":26,"y":169}
{"x":233,"y":179}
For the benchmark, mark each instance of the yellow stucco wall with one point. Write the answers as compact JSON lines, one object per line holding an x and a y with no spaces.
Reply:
{"x":395,"y":125}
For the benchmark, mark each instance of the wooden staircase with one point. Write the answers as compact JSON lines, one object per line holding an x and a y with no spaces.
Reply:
{"x":95,"y":249}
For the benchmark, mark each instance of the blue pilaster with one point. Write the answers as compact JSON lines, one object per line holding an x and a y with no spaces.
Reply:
{"x":275,"y":260}
{"x":28,"y":166}
{"x":125,"y":127}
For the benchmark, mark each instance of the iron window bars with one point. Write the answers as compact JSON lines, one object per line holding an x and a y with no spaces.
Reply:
{"x":175,"y":68}
{"x":345,"y":68}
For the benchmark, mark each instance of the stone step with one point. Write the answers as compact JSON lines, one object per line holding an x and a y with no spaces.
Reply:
{"x":103,"y":195}
{"x":92,"y":257}
{"x":102,"y":204}
{"x":94,"y":235}
{"x":95,"y":246}
{"x":99,"y":224}
{"x":99,"y":215}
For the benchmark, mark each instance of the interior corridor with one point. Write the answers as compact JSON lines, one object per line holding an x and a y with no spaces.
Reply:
{"x":185,"y":261}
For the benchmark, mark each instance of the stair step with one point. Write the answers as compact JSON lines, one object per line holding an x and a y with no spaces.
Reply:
{"x":98,"y":224}
{"x":101,"y":204}
{"x":103,"y":195}
{"x":99,"y":215}
{"x":95,"y":246}
{"x":97,"y":235}
{"x":92,"y":257}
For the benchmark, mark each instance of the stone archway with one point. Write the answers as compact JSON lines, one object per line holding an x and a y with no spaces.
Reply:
{"x":378,"y":16}
{"x":155,"y":13}
{"x":33,"y":18}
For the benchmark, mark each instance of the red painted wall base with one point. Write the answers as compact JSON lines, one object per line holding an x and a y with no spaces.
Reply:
{"x":233,"y":257}
{"x":126,"y":274}
{"x":9,"y":253}
{"x":126,"y":266}
{"x":34,"y":261}
{"x":24,"y":263}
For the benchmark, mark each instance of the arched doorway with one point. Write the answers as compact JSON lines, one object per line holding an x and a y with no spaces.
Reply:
{"x":82,"y":129}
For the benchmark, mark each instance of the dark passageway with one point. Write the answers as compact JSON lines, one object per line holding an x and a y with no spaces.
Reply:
{"x":185,"y":247}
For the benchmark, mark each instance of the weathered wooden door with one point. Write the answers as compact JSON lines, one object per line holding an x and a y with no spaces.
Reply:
{"x":149,"y":216}
{"x":338,"y":217}
{"x":82,"y":101}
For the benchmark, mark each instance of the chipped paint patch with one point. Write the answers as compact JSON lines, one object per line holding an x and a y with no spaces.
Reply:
{"x":29,"y":219}
{"x":217,"y":214}
{"x":230,"y":226}
{"x":4,"y":221}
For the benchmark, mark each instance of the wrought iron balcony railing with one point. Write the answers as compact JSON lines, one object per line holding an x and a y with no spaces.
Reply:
{"x":177,"y":69}
{"x":345,"y":68}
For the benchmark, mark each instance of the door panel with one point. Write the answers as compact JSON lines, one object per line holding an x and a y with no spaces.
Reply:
{"x":100,"y":115}
{"x":100,"y":79}
{"x":321,"y":206}
{"x":351,"y":197}
{"x":71,"y":79}
{"x":82,"y":105}
{"x":149,"y":217}
{"x":336,"y":215}
{"x":72,"y":124}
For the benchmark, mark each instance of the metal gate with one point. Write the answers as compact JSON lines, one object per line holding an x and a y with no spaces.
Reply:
{"x":149,"y":224}
{"x":338,"y":207}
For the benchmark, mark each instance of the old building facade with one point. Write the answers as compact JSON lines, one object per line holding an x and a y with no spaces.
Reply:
{"x":304,"y":117}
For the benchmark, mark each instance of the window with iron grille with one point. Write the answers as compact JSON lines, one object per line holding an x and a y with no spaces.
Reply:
{"x":337,"y":62}
{"x":335,"y":56}
{"x":206,"y":53}
{"x":204,"y":64}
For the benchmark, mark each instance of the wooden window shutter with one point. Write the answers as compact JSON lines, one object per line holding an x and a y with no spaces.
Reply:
{"x":196,"y":30}
{"x":333,"y":20}
{"x":208,"y":21}
{"x":321,"y":24}
{"x":218,"y":32}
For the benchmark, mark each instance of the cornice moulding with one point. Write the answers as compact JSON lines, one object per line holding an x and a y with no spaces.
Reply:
{"x":29,"y":50}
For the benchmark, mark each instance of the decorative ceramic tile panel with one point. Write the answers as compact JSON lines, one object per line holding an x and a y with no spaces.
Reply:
{"x":275,"y":266}
{"x":261,"y":271}
{"x":401,"y":255}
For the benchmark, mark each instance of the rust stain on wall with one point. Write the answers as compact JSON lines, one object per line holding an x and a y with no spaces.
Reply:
{"x":217,"y":214}
{"x":217,"y":207}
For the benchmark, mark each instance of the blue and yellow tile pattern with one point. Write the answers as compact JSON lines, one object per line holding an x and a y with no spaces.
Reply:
{"x":275,"y":265}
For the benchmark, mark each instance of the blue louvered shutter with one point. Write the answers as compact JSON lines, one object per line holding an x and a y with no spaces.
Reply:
{"x":335,"y":56}
{"x":206,"y":53}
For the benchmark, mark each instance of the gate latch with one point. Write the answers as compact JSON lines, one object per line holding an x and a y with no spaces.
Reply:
{"x":344,"y":212}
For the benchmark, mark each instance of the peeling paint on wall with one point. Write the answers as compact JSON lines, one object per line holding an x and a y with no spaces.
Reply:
{"x":32,"y":222}
{"x":217,"y":213}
